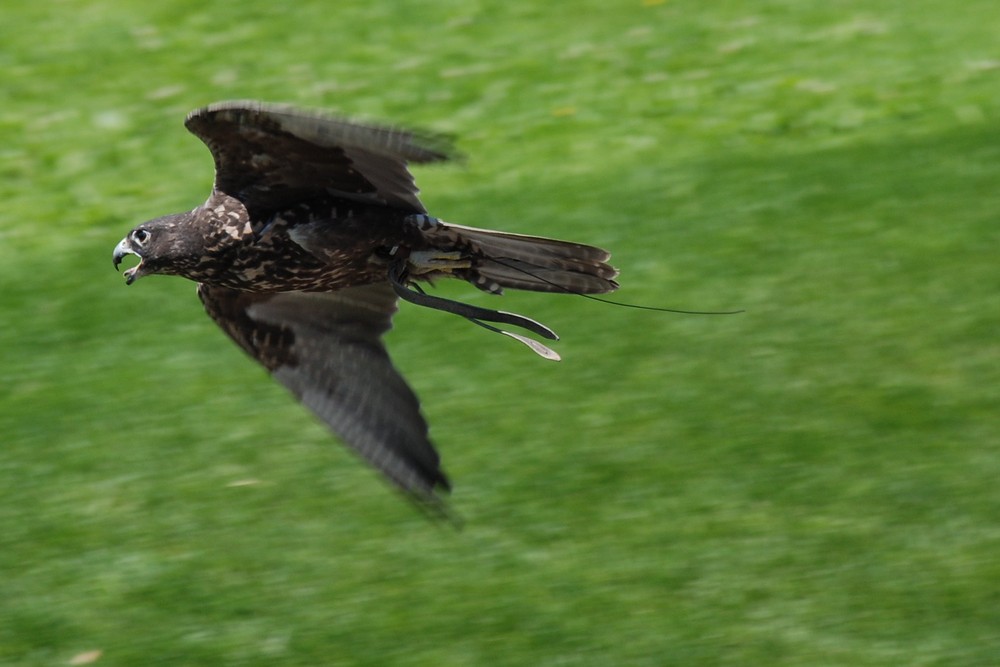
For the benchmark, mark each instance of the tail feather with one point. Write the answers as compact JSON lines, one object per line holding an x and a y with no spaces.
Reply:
{"x":517,"y":274}
{"x":517,"y":261}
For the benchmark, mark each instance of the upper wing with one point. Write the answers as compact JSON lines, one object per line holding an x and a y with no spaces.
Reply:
{"x":327,"y":349}
{"x":269,"y":155}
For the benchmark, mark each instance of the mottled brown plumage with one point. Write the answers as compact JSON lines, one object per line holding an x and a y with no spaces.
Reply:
{"x":311,"y":232}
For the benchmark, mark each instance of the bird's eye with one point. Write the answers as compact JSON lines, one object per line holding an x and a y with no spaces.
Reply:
{"x":140,"y":236}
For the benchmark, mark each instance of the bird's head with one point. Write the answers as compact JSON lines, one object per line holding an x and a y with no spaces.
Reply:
{"x":161,"y":246}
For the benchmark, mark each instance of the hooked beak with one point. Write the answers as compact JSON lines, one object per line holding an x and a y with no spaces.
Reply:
{"x":123,"y":248}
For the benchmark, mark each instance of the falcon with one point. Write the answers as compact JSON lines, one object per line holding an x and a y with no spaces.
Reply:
{"x":312,"y":232}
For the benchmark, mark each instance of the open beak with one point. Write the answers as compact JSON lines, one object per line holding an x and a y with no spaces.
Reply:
{"x":123,"y":248}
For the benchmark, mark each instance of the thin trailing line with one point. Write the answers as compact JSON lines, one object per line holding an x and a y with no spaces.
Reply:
{"x":612,"y":301}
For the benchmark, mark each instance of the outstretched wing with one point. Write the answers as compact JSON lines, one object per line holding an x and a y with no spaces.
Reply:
{"x":327,"y":349}
{"x":271,"y":156}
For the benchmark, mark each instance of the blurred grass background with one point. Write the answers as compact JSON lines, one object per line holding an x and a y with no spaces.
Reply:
{"x":811,"y":482}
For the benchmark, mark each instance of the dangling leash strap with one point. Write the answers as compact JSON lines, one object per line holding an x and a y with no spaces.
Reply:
{"x":475,"y":314}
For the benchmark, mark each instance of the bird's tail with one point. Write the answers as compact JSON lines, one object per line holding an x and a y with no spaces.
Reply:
{"x":493,"y":260}
{"x":501,"y":259}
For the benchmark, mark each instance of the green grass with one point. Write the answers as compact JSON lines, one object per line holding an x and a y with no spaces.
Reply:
{"x":813,"y":482}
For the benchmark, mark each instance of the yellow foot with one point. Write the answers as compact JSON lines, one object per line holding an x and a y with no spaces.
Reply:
{"x":423,"y":262}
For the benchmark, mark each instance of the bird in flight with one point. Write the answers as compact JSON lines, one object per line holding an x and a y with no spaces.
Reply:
{"x":312,"y":232}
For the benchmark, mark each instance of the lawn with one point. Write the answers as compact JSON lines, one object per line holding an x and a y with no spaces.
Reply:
{"x":811,"y":482}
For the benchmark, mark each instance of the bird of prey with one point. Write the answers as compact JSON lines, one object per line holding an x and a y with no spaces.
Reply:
{"x":312,"y":231}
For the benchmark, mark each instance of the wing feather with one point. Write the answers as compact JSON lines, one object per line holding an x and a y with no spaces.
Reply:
{"x":326,"y":348}
{"x":270,"y":155}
